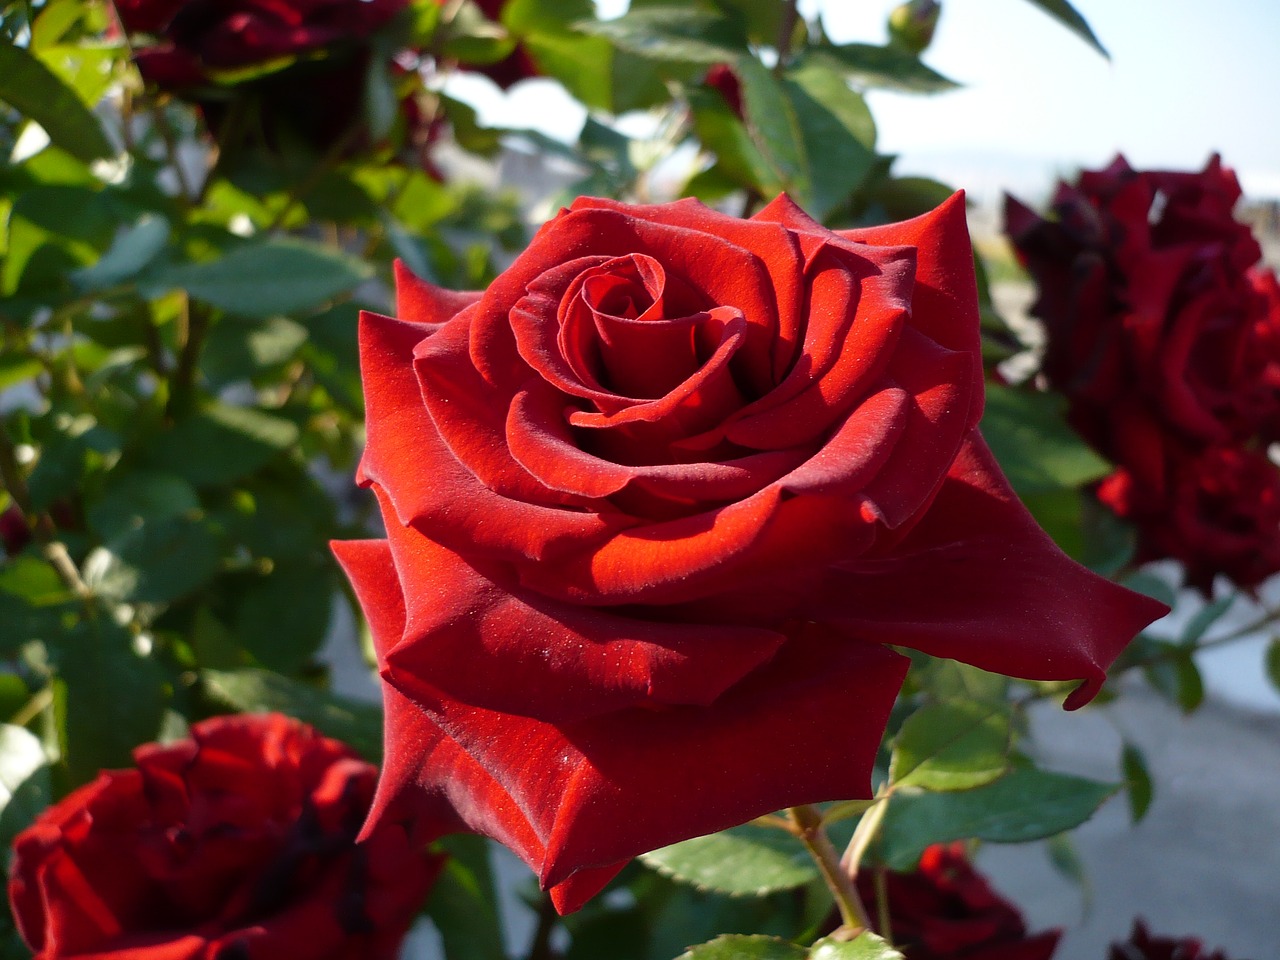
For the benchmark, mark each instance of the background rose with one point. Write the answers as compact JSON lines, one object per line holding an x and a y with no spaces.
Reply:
{"x":657,"y":498}
{"x":1141,"y":945}
{"x":200,"y":37}
{"x":946,"y":910}
{"x":235,"y":843}
{"x":1165,"y":338}
{"x":1154,"y":319}
{"x":1221,"y":514}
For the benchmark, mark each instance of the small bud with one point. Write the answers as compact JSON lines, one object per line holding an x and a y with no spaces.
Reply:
{"x":911,"y":25}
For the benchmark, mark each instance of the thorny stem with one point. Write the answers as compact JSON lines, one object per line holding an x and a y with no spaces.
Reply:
{"x":808,"y":827}
{"x":881,"y":878}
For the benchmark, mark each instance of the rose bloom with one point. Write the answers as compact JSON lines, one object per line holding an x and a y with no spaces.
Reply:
{"x":236,"y":844}
{"x":200,"y":37}
{"x":1141,"y":945}
{"x":1218,"y":512}
{"x":656,"y":504}
{"x":1157,"y":324}
{"x":946,"y":910}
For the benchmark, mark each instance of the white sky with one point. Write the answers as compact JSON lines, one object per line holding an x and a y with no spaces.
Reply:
{"x":1186,"y":78}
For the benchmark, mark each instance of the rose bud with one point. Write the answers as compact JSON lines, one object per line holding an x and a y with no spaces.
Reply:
{"x":946,"y":910}
{"x":1141,"y":945}
{"x":15,"y":532}
{"x":725,"y":82}
{"x":658,"y":503}
{"x":237,"y":843}
{"x":911,"y":25}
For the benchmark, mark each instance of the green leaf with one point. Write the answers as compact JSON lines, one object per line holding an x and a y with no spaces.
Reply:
{"x":745,"y":947}
{"x":281,"y":618}
{"x":221,"y":444}
{"x":1272,"y":663}
{"x":742,"y":861}
{"x":680,"y":34}
{"x":951,"y":746}
{"x":34,"y":90}
{"x":1069,"y":17}
{"x":846,"y":809}
{"x":1029,"y":436}
{"x":1151,"y":585}
{"x":464,"y":902}
{"x":1204,"y":618}
{"x":16,"y":368}
{"x":240,"y":349}
{"x":108,"y":697}
{"x":261,"y":279}
{"x":359,"y":725}
{"x":131,"y":251}
{"x":888,"y":68}
{"x":865,"y":946}
{"x":53,"y":230}
{"x":133,"y":498}
{"x":33,"y":603}
{"x":1137,"y":781}
{"x":26,"y":786}
{"x":811,"y":136}
{"x":1174,"y":675}
{"x":158,"y":562}
{"x":1025,"y":804}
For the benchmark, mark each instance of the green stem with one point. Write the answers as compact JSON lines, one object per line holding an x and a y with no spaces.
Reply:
{"x":807,"y":822}
{"x":195,"y":324}
{"x":863,"y":834}
{"x":786,"y":30}
{"x":540,"y":945}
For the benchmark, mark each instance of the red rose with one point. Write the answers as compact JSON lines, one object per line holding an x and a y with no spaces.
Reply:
{"x":1166,"y":341}
{"x":1151,"y":310}
{"x":946,"y":910}
{"x":200,"y":36}
{"x":1141,"y":945}
{"x":725,"y":82}
{"x":657,"y":500}
{"x":1220,"y":514}
{"x":237,"y":843}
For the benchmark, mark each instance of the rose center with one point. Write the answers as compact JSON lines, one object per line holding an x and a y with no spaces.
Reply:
{"x":644,"y":327}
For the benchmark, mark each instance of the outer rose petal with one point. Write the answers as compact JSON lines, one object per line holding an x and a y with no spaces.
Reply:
{"x":584,"y":796}
{"x":427,"y":780}
{"x":1000,"y":595}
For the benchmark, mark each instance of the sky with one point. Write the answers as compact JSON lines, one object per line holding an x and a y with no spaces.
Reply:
{"x":1186,"y":78}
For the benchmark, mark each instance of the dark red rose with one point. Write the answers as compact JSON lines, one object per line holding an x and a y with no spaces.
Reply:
{"x":656,"y":503}
{"x":237,"y":844}
{"x":1165,"y":338}
{"x":1144,"y":286}
{"x":1141,"y":945}
{"x":15,"y":532}
{"x":200,"y":37}
{"x":946,"y":910}
{"x":1219,"y":512}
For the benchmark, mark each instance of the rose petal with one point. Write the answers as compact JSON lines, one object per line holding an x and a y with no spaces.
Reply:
{"x":1000,"y":594}
{"x":427,"y":779}
{"x":424,"y":480}
{"x":483,"y":641}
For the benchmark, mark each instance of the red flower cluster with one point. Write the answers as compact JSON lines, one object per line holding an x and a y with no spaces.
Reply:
{"x":1141,"y":945}
{"x":237,"y":843}
{"x":946,"y":910}
{"x":197,"y":39}
{"x":661,"y":498}
{"x":1165,"y":338}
